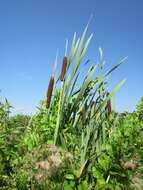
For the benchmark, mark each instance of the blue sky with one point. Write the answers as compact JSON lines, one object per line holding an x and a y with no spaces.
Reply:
{"x":32,"y":30}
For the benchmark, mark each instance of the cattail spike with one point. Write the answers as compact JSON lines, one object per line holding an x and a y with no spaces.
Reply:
{"x":49,"y":91}
{"x":109,"y":105}
{"x":51,"y":83}
{"x":64,"y":68}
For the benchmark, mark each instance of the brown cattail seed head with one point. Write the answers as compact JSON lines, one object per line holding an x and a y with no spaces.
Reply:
{"x":64,"y":67}
{"x":109,"y":105}
{"x":49,"y":92}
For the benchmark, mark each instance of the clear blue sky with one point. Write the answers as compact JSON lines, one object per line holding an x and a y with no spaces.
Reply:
{"x":32,"y":30}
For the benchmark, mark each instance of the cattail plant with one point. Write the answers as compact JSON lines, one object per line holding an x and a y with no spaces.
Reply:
{"x":64,"y":68}
{"x":90,"y":125}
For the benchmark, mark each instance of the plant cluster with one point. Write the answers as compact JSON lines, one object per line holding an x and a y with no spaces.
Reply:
{"x":75,"y":140}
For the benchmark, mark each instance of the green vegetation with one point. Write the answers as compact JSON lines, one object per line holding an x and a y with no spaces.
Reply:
{"x":75,"y":140}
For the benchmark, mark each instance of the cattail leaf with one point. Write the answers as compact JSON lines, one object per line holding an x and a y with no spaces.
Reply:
{"x":103,"y":105}
{"x":56,"y":63}
{"x":76,"y":79}
{"x":77,"y":56}
{"x":77,"y":60}
{"x":60,"y":114}
{"x":115,"y":67}
{"x":66,"y":47}
{"x":86,"y":46}
{"x":117,"y":88}
{"x":101,"y":53}
{"x":73,"y":43}
{"x":102,"y":62}
{"x":86,"y":142}
{"x":86,"y":82}
{"x":76,"y":46}
{"x":72,"y":47}
{"x":73,"y":86}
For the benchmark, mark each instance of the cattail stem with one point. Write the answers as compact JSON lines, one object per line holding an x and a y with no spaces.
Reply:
{"x":64,"y":68}
{"x":49,"y":91}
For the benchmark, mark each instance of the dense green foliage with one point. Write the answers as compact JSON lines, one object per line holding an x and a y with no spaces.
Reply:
{"x":75,"y":140}
{"x":25,"y":155}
